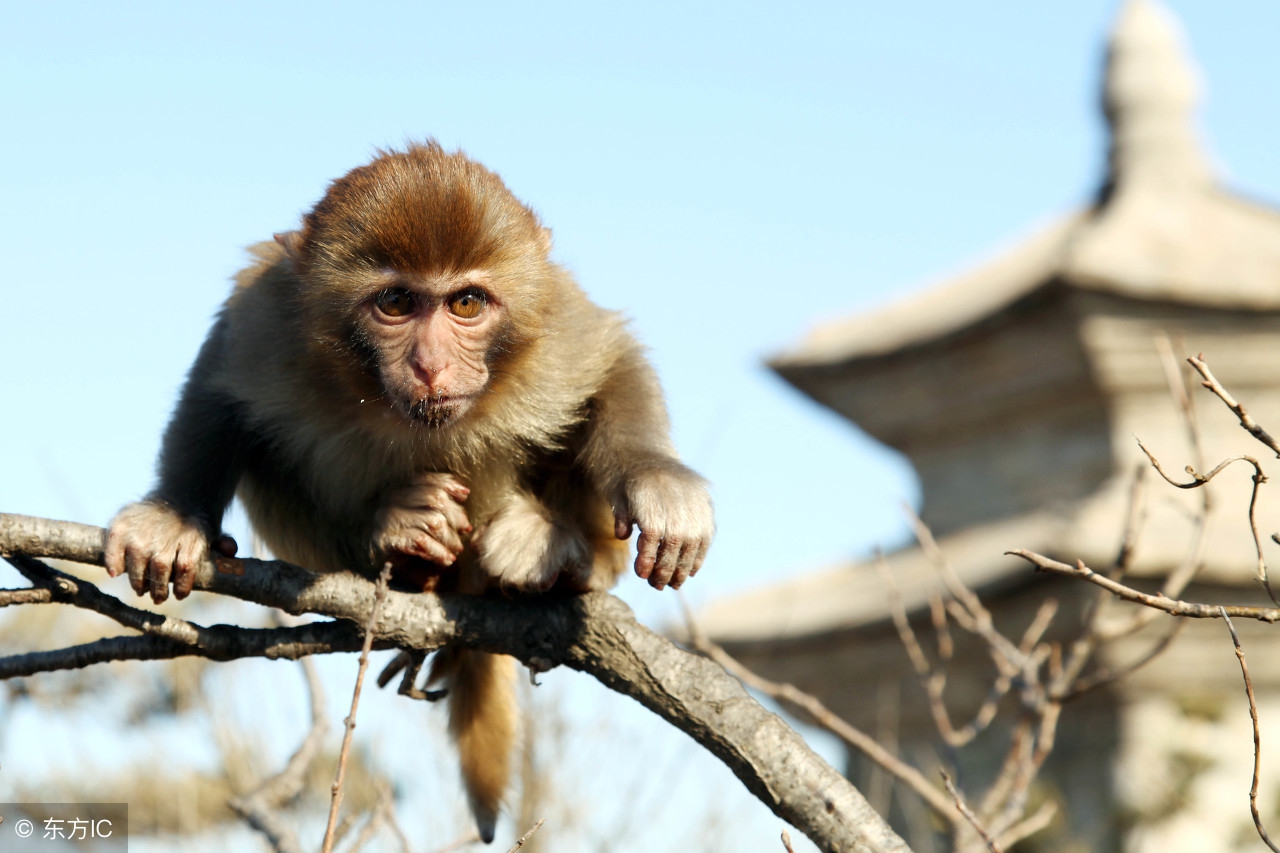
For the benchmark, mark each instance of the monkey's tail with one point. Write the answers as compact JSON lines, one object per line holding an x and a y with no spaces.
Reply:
{"x":483,"y":716}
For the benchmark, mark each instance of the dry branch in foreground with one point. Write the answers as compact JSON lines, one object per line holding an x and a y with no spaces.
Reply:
{"x":595,"y":633}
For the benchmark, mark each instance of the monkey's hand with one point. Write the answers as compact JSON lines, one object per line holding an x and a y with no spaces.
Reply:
{"x":672,"y":508}
{"x":523,"y":548}
{"x":155,"y":543}
{"x":424,"y":519}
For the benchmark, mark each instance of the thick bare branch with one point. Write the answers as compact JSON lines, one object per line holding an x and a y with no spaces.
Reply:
{"x":593,"y":633}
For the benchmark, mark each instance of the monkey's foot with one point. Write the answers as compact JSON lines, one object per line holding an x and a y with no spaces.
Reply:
{"x":523,"y":549}
{"x":425,"y":519}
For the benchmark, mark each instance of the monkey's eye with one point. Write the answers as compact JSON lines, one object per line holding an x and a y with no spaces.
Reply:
{"x":468,"y":304}
{"x":396,"y":301}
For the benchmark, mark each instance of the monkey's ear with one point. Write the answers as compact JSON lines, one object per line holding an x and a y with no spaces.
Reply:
{"x":544,"y":240}
{"x":292,"y":243}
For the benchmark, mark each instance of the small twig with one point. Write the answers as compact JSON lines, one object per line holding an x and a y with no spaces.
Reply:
{"x":1157,"y":602}
{"x":1198,"y":479}
{"x":968,"y":814}
{"x":457,"y":843}
{"x":1028,"y":827}
{"x":1175,"y":375}
{"x":900,"y":621}
{"x":379,"y":596}
{"x":521,"y":841}
{"x":1104,"y":677}
{"x":955,"y":586}
{"x":1246,"y":420}
{"x":1132,"y":523}
{"x":786,"y":842}
{"x":377,"y":819}
{"x":941,"y":627}
{"x":1257,"y":734}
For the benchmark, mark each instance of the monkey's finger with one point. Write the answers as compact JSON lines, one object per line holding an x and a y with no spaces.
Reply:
{"x":135,"y":563}
{"x":159,"y":570}
{"x":443,"y":533}
{"x":698,"y":558}
{"x":684,"y":564}
{"x":113,"y":554}
{"x":646,"y":553}
{"x":226,"y":546}
{"x":456,"y":517}
{"x":190,"y":555}
{"x":665,"y":567}
{"x":622,"y":525}
{"x":422,"y":545}
{"x":457,"y":490}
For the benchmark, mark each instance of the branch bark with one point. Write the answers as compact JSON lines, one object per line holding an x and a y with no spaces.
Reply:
{"x":594,"y":633}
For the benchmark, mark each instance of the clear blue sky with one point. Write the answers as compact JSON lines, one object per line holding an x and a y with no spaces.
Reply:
{"x":726,"y":173}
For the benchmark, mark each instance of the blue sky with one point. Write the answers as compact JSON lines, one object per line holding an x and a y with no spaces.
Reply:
{"x":725,"y":173}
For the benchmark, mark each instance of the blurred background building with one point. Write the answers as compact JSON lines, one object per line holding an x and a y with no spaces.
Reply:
{"x":1016,"y":391}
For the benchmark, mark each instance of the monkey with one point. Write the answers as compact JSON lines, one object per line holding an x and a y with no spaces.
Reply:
{"x":409,"y":378}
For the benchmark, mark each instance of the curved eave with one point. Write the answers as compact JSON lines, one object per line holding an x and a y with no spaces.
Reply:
{"x":939,"y":311}
{"x":1207,"y":248}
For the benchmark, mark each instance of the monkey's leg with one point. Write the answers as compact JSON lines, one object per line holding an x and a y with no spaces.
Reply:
{"x":526,"y":547}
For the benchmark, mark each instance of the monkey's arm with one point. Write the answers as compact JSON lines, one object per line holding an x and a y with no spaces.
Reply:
{"x":629,"y":456}
{"x":167,"y":535}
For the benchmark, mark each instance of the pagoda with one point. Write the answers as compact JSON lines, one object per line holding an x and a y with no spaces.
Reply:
{"x":1016,"y":391}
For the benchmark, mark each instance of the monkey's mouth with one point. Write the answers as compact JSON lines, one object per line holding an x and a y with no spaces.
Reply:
{"x":439,"y":409}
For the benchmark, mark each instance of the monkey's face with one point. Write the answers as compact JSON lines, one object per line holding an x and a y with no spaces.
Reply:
{"x":433,"y":338}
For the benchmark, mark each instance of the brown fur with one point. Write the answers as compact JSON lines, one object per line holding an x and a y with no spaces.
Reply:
{"x":307,"y":399}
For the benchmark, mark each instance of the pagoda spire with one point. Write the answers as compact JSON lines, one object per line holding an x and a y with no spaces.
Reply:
{"x":1150,"y":94}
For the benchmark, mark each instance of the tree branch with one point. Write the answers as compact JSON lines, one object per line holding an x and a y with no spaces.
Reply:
{"x":594,"y":633}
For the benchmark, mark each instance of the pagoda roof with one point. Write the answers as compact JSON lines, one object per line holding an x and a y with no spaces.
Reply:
{"x":1162,"y":228}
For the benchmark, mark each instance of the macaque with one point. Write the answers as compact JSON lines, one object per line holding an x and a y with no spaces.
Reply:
{"x":409,"y":378}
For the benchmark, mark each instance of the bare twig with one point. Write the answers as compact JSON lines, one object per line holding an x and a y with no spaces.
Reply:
{"x":1257,"y":734}
{"x":1157,"y":602}
{"x":786,"y":842}
{"x":379,"y":817}
{"x":955,"y":586}
{"x":1175,"y":374}
{"x":524,"y":838}
{"x":459,"y":842}
{"x":1134,"y":518}
{"x":968,"y":813}
{"x":1253,"y":428}
{"x":1246,"y":420}
{"x":1104,"y":677}
{"x":380,"y":595}
{"x":1030,"y":826}
{"x":1199,"y":480}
